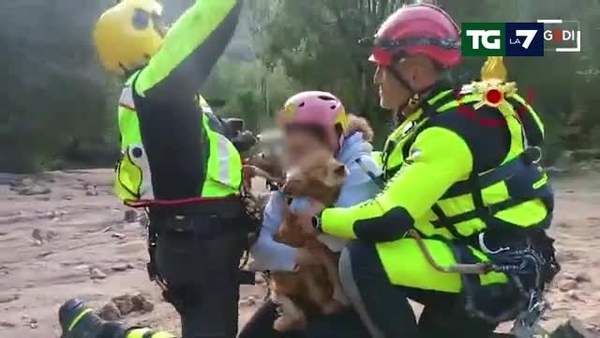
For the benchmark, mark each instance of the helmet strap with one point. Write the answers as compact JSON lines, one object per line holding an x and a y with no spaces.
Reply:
{"x":413,"y":101}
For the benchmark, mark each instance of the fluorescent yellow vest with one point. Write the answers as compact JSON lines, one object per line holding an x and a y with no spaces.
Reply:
{"x":457,"y":213}
{"x":133,"y":174}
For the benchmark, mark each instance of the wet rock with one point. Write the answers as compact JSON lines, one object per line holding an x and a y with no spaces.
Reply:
{"x":573,"y":328}
{"x":127,"y":304}
{"x":29,"y":321}
{"x":574,"y":295}
{"x":36,"y":234}
{"x":594,"y":328}
{"x":141,"y":304}
{"x":119,"y":267}
{"x":82,"y":267}
{"x":130,"y":216}
{"x":107,"y":229}
{"x":118,"y":235}
{"x":566,"y":285}
{"x":33,"y":323}
{"x":582,"y":277}
{"x":124,"y":304}
{"x":109,"y":312}
{"x":44,"y":254}
{"x":96,"y":273}
{"x":91,"y":190}
{"x":32,"y":190}
{"x":50,"y":235}
{"x":40,"y":236}
{"x":563,"y":256}
{"x":55,"y":214}
{"x":8,"y":325}
{"x":7,"y":298}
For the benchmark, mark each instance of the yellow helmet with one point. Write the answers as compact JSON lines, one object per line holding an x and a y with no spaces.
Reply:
{"x":128,"y":34}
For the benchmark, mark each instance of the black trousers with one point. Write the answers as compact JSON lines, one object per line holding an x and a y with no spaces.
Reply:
{"x":345,"y":324}
{"x":388,"y":308}
{"x":199,"y":259}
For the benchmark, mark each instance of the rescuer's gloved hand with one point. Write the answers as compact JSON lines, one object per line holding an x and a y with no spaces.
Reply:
{"x":235,"y":124}
{"x":244,"y":141}
{"x":78,"y":321}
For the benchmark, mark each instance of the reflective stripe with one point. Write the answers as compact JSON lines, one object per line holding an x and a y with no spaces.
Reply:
{"x":407,"y":131}
{"x":515,"y":127}
{"x":486,"y":210}
{"x":204,"y":104}
{"x":137,"y":333}
{"x":147,"y":333}
{"x":134,"y":179}
{"x":78,"y":318}
{"x":126,"y":99}
{"x":224,"y":166}
{"x":224,"y":155}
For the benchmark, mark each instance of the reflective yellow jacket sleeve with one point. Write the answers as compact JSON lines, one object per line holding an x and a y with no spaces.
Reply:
{"x":191,"y":48}
{"x":438,"y":158}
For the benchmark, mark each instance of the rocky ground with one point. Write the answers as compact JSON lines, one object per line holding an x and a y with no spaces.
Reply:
{"x":63,"y":234}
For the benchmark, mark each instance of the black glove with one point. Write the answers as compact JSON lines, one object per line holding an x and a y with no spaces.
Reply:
{"x":236,"y":125}
{"x":244,"y":141}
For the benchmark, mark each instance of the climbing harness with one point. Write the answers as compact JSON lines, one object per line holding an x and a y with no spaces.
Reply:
{"x":529,"y":270}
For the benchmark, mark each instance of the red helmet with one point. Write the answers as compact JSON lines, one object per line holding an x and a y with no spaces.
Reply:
{"x":418,"y":29}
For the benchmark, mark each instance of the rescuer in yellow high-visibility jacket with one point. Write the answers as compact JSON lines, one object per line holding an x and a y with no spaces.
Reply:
{"x":177,"y":162}
{"x":460,"y":185}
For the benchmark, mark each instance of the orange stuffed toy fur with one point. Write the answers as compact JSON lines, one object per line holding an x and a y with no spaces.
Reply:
{"x":314,"y":287}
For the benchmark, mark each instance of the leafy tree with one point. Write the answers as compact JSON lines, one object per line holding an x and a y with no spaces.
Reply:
{"x":316,"y":41}
{"x":59,"y":105}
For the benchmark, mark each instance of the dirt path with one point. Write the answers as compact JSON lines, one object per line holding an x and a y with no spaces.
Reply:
{"x":85,"y":229}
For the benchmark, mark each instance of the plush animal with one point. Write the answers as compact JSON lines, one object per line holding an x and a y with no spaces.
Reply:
{"x":314,"y":287}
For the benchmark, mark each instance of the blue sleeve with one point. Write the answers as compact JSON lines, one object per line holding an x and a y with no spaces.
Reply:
{"x":267,"y":253}
{"x":358,"y":187}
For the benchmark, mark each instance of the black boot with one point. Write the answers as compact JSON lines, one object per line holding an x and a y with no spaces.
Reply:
{"x":79,"y":321}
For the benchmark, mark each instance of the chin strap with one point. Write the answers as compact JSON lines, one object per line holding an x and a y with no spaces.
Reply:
{"x":414,"y":99}
{"x":415,"y":95}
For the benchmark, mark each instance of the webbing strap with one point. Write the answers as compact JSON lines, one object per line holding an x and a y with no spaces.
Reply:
{"x":477,"y":182}
{"x":487,"y":179}
{"x":438,"y":104}
{"x":487,"y":212}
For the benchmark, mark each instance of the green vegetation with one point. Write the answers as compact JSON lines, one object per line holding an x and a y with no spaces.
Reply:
{"x":59,"y":107}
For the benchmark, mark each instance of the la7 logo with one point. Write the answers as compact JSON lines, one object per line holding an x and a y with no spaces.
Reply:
{"x":528,"y":34}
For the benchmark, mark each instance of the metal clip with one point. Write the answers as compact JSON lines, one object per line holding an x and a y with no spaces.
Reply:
{"x":486,"y":249}
{"x":527,"y":323}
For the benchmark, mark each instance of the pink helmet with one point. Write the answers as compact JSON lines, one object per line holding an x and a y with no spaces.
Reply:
{"x":315,"y":108}
{"x":418,"y":29}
